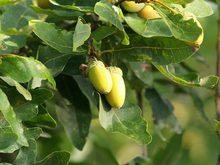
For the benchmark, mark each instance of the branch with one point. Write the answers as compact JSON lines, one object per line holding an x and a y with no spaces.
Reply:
{"x":217,"y":93}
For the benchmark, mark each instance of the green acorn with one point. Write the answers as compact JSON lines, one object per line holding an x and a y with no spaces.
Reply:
{"x":100,"y":76}
{"x":116,"y":96}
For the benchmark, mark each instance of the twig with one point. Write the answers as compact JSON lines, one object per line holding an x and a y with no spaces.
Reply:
{"x":164,"y":5}
{"x":217,"y":92}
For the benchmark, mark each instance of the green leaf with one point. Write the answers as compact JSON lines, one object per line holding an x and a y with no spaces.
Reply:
{"x":42,"y":119}
{"x":58,"y":39}
{"x":27,"y":155}
{"x":11,"y":118}
{"x":8,"y":137}
{"x":55,"y":158}
{"x":30,"y":133}
{"x":23,"y":69}
{"x":26,"y":111}
{"x":58,"y":13}
{"x":40,"y":95}
{"x":52,"y":59}
{"x":159,"y":50}
{"x":103,"y":32}
{"x":19,"y":87}
{"x":177,"y":1}
{"x":87,"y":89}
{"x":107,"y":12}
{"x":142,"y":71}
{"x":73,"y":7}
{"x":7,"y":2}
{"x":199,"y":8}
{"x":182,"y":26}
{"x":147,"y":28}
{"x":73,"y":111}
{"x":11,"y":43}
{"x":190,"y":80}
{"x":127,"y":121}
{"x":16,"y":17}
{"x":162,"y":111}
{"x":81,"y":34}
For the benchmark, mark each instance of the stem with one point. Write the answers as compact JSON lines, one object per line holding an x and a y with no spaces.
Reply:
{"x":217,"y":93}
{"x":164,"y":5}
{"x":140,"y":100}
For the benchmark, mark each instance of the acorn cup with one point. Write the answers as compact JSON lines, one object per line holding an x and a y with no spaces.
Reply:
{"x":116,"y":96}
{"x":99,"y":76}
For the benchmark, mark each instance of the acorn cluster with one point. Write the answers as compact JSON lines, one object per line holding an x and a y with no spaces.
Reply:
{"x":107,"y":81}
{"x":144,"y":10}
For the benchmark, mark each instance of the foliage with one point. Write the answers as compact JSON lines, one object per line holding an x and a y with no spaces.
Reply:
{"x":44,"y":85}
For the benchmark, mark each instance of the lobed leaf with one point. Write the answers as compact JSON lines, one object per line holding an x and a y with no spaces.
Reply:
{"x":27,"y":155}
{"x":58,"y":39}
{"x":106,"y":11}
{"x":182,"y":26}
{"x":81,"y":34}
{"x":16,"y":17}
{"x":11,"y":118}
{"x":8,"y":137}
{"x":126,"y":120}
{"x":160,"y":51}
{"x":73,"y":108}
{"x":147,"y":28}
{"x":23,"y":69}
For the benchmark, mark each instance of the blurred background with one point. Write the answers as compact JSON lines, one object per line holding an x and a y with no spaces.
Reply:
{"x":198,"y":143}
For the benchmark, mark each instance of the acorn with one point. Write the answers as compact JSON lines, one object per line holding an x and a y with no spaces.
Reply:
{"x":148,"y":12}
{"x":99,"y":76}
{"x":116,"y":96}
{"x":131,"y":6}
